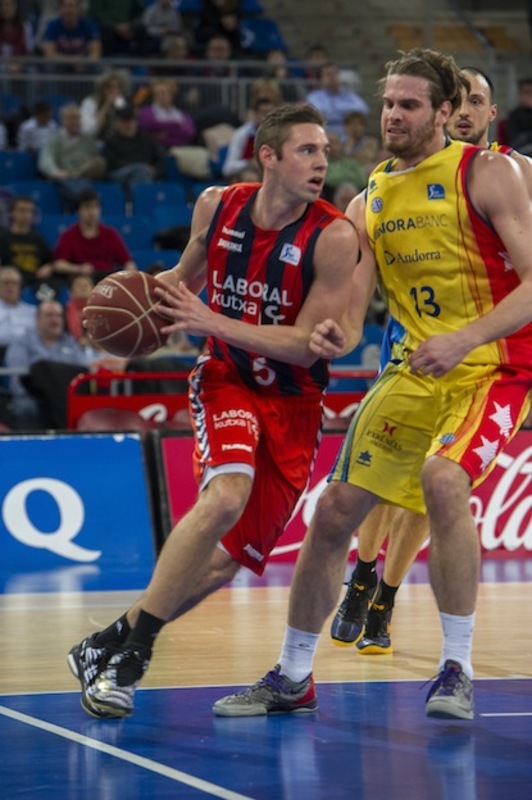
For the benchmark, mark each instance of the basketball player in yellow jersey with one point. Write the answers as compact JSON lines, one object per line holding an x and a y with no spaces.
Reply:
{"x":446,"y":230}
{"x":365,"y":612}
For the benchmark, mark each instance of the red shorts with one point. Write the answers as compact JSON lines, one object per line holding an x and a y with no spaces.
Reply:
{"x":275,"y":436}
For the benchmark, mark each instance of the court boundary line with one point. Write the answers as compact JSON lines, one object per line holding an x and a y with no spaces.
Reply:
{"x":116,"y":752}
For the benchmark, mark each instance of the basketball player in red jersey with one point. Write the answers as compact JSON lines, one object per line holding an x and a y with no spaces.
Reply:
{"x":276,"y":259}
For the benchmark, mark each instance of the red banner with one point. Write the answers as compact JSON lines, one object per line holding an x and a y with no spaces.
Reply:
{"x":501,"y":506}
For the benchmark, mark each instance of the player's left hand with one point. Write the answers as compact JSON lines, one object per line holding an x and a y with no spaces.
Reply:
{"x":437,"y":355}
{"x":184,"y":310}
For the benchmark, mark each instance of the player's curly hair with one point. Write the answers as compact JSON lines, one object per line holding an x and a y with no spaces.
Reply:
{"x":276,"y":126}
{"x":440,"y":70}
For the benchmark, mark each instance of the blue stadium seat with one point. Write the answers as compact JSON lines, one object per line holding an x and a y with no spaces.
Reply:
{"x":10,"y":104}
{"x":145,"y":257}
{"x":149,"y":196}
{"x":137,"y":231}
{"x":172,"y":216}
{"x":51,"y":226}
{"x":44,"y":194}
{"x":15,"y":166}
{"x":260,"y":34}
{"x":111,"y":197}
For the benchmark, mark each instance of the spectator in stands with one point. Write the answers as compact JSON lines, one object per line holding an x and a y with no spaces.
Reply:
{"x":342,"y":168}
{"x":343,"y":194}
{"x":71,"y":158}
{"x":169,"y":125}
{"x":120,"y":24}
{"x":46,"y":341}
{"x":89,"y":247}
{"x":80,"y":287}
{"x":16,"y":316}
{"x":358,"y":143}
{"x":132,"y":156}
{"x":16,"y":38}
{"x":334,"y":101}
{"x":292,"y":89}
{"x":207,"y":102}
{"x":24,"y":247}
{"x":161,"y":20}
{"x":240,"y":150}
{"x":34,"y":131}
{"x":71,"y":37}
{"x":219,"y":18}
{"x":315,"y":57}
{"x":519,"y":121}
{"x":111,"y":90}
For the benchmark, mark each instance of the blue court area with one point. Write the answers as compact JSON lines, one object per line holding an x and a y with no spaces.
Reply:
{"x":368,"y":740}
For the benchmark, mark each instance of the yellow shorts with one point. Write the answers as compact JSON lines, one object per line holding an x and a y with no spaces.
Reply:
{"x":467,"y":416}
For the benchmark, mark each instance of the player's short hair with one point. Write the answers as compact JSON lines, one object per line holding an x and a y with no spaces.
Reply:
{"x":274,"y":131}
{"x":440,"y":70}
{"x":481,"y":74}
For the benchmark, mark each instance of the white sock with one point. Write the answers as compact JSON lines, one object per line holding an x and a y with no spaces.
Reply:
{"x":297,"y":654}
{"x":458,"y":640}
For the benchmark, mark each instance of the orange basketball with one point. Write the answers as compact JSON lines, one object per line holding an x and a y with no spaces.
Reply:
{"x":120,"y":315}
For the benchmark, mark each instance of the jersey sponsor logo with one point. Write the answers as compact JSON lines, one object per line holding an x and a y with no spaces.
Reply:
{"x":383,"y":441}
{"x":411,"y":223}
{"x":377,"y":205}
{"x":253,"y":553}
{"x":364,"y":458}
{"x":412,"y":258}
{"x":239,"y":294}
{"x":232,"y":232}
{"x":236,"y":418}
{"x":290,"y":254}
{"x":233,"y":247}
{"x":238,"y":446}
{"x":387,"y":428}
{"x":435,"y":191}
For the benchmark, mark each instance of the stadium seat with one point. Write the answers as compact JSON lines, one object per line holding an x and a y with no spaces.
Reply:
{"x":111,"y":197}
{"x":260,"y":35}
{"x":15,"y":166}
{"x":145,"y":257}
{"x":10,"y":104}
{"x":172,"y":216}
{"x":43,"y":193}
{"x":138,"y":230}
{"x":51,"y":226}
{"x":149,"y":196}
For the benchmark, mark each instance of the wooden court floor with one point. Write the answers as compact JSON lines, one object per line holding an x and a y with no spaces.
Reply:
{"x":369,"y":738}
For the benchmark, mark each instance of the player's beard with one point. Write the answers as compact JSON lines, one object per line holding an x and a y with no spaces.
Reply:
{"x":414,"y":145}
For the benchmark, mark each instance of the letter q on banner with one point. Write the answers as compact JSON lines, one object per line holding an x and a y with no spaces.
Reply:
{"x":72,"y":513}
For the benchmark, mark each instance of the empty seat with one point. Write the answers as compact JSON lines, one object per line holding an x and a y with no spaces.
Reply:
{"x":259,"y":35}
{"x":145,"y":257}
{"x":111,"y":197}
{"x":149,"y":196}
{"x":137,"y":231}
{"x":15,"y":166}
{"x":172,"y":216}
{"x":51,"y":226}
{"x":44,"y":194}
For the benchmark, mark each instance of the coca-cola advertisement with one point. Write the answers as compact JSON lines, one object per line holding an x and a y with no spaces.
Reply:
{"x":501,"y":505}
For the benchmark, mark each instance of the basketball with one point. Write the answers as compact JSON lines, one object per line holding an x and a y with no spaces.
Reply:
{"x":120,"y":315}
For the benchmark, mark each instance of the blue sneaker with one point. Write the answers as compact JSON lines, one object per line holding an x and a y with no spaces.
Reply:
{"x":349,"y":620}
{"x":273,"y":694}
{"x":451,"y":694}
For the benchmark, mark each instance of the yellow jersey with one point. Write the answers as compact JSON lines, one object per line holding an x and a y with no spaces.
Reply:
{"x":441,"y":264}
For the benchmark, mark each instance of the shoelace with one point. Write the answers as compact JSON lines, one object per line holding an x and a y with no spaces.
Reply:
{"x":450,"y":677}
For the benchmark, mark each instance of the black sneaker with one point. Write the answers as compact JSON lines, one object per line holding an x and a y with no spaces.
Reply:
{"x":375,"y":640}
{"x":349,"y":620}
{"x":86,"y":660}
{"x":113,"y":689}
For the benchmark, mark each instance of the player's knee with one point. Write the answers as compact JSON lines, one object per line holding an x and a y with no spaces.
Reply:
{"x":227,"y":496}
{"x":445,"y":485}
{"x":333,"y":515}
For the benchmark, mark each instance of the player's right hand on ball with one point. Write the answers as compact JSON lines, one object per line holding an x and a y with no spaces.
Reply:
{"x":327,"y":340}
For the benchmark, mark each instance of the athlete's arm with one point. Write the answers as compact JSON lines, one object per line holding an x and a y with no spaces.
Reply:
{"x":335,"y":258}
{"x":192,"y":266}
{"x":329,"y":339}
{"x":498,"y":191}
